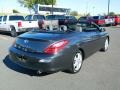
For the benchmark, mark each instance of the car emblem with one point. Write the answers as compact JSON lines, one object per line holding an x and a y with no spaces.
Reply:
{"x":26,"y":41}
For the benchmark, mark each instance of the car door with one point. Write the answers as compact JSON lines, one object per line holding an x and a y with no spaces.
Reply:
{"x":91,"y":38}
{"x":96,"y":40}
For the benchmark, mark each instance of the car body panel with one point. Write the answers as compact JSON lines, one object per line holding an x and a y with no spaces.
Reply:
{"x":87,"y":41}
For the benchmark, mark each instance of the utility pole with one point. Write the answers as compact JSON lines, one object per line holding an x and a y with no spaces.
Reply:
{"x":108,"y":7}
{"x":93,"y":10}
{"x":86,"y":8}
{"x":52,"y":8}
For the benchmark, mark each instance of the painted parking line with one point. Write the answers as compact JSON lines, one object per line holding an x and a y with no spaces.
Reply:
{"x":4,"y":38}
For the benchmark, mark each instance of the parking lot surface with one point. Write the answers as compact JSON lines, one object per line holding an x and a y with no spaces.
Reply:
{"x":101,"y":71}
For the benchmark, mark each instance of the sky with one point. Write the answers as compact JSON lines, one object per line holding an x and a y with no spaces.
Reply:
{"x":82,"y":6}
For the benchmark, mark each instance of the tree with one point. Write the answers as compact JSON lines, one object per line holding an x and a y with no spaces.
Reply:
{"x":112,"y":14}
{"x":74,"y":13}
{"x":88,"y":14}
{"x":15,"y":11}
{"x":29,"y":3}
{"x":45,"y":2}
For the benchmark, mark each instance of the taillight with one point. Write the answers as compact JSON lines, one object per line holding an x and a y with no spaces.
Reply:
{"x":41,"y":24}
{"x":19,"y":24}
{"x":56,"y":47}
{"x":99,"y":22}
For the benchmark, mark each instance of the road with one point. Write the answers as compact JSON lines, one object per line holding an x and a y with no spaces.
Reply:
{"x":100,"y":71}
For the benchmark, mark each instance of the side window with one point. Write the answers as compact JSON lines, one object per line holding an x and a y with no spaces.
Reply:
{"x":91,"y":27}
{"x":0,"y":18}
{"x":4,"y":18}
{"x":102,"y":17}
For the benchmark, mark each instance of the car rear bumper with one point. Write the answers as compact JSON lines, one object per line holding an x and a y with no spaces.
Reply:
{"x":34,"y":61}
{"x":25,"y":29}
{"x":21,"y":30}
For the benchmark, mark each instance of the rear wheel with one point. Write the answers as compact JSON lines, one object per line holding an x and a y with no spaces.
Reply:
{"x":77,"y":62}
{"x":13,"y":32}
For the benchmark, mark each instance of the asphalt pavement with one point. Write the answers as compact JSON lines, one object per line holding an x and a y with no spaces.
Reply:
{"x":101,"y":71}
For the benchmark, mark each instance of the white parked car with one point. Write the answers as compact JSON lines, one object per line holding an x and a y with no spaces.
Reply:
{"x":51,"y":22}
{"x":15,"y":24}
{"x":32,"y":20}
{"x":109,"y":21}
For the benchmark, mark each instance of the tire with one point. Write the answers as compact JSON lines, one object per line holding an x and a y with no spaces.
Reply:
{"x":106,"y":45}
{"x":13,"y":32}
{"x":76,"y":63}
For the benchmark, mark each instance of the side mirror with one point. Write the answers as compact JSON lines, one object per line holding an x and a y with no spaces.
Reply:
{"x":102,"y":29}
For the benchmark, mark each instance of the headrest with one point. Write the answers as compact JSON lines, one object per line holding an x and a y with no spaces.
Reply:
{"x":78,"y":28}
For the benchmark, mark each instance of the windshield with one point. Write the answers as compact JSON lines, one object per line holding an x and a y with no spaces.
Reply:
{"x":12,"y":18}
{"x":38,"y":17}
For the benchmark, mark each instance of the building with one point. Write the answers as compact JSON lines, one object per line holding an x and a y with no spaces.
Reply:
{"x":6,"y":10}
{"x":47,"y":9}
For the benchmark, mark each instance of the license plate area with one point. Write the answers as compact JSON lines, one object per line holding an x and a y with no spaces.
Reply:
{"x":22,"y":59}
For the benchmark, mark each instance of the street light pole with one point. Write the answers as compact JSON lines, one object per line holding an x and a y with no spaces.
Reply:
{"x":108,"y":7}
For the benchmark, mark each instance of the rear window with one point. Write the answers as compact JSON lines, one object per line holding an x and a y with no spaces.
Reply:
{"x":60,"y":17}
{"x":106,"y":17}
{"x":12,"y":18}
{"x":70,"y":17}
{"x":95,"y":17}
{"x":83,"y":18}
{"x":38,"y":17}
{"x":50,"y":17}
{"x":98,"y":17}
{"x":28,"y":18}
{"x":55,"y":17}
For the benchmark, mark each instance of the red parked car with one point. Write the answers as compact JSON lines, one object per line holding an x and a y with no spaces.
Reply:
{"x":116,"y":19}
{"x":99,"y":20}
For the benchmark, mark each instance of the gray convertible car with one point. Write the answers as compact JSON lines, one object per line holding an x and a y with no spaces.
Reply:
{"x":60,"y":49}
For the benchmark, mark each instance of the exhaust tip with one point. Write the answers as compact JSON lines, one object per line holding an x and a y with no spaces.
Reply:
{"x":39,"y":72}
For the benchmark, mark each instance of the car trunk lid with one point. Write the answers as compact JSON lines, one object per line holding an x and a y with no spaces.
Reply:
{"x":36,"y":42}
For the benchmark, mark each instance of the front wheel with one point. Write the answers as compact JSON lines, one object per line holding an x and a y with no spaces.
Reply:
{"x":106,"y":45}
{"x":77,"y":62}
